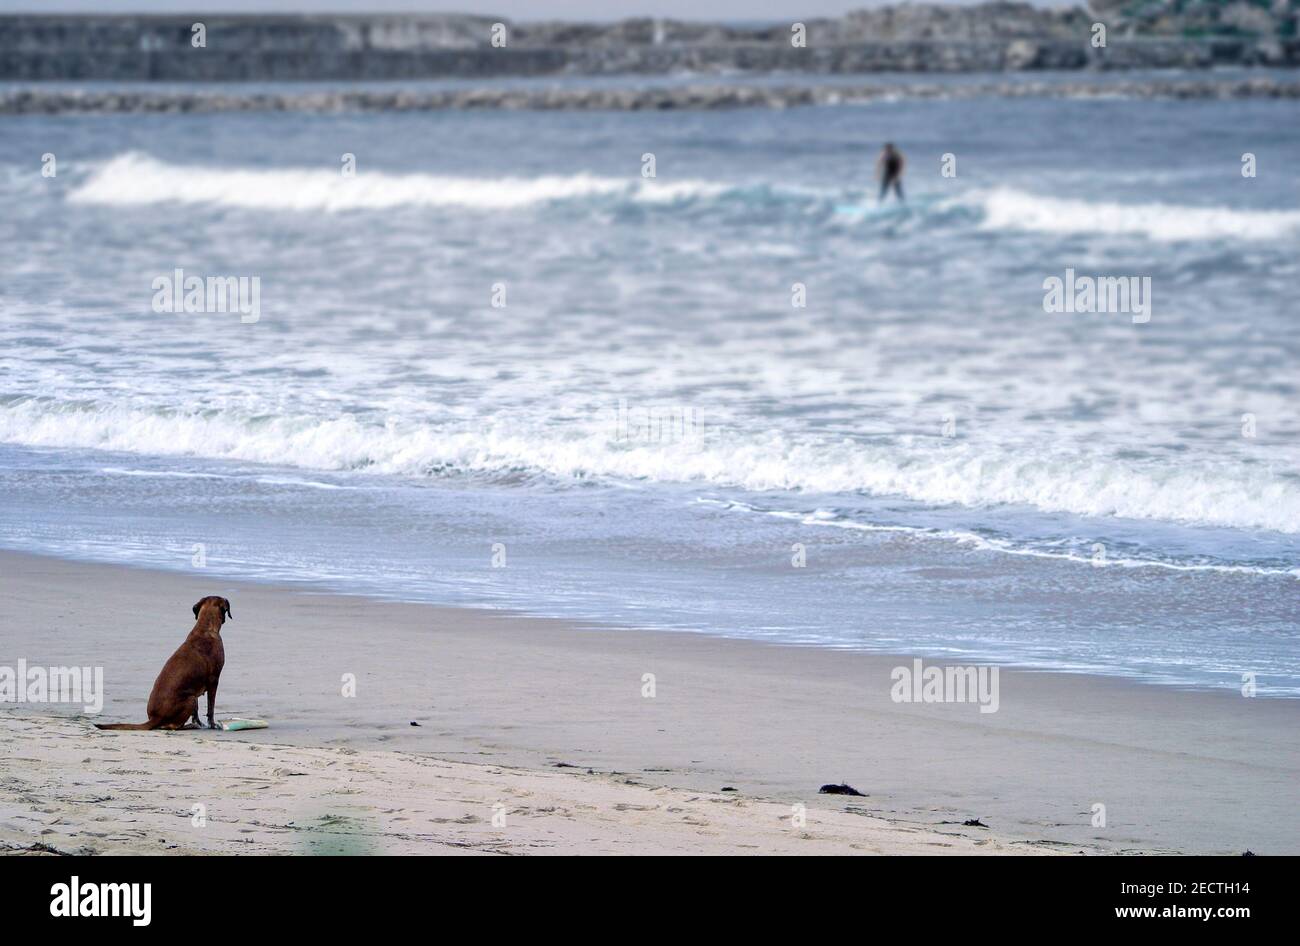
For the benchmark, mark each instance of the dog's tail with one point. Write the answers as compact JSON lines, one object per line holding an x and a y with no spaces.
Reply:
{"x":124,"y":725}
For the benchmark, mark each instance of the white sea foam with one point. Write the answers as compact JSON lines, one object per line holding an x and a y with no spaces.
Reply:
{"x":185,"y":474}
{"x":963,"y":474}
{"x":1008,"y":209}
{"x":825,"y":518}
{"x":135,"y":178}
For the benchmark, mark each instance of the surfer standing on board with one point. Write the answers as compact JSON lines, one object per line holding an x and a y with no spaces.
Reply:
{"x":889,"y":168}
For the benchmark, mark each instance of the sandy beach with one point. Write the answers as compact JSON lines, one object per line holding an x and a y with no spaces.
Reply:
{"x":551,"y":722}
{"x":156,"y":794}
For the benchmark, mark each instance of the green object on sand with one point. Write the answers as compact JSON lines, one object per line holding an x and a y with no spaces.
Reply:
{"x":231,"y":725}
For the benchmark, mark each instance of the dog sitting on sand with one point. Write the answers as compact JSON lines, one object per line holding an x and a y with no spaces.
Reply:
{"x":193,"y":670}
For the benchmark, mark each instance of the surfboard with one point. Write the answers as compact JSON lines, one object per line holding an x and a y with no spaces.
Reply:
{"x":890,"y":206}
{"x":236,"y":724}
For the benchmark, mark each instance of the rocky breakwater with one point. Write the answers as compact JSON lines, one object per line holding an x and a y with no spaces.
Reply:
{"x":73,"y":101}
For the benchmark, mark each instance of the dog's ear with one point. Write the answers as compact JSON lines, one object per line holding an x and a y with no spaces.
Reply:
{"x":225,"y":606}
{"x":197,"y":605}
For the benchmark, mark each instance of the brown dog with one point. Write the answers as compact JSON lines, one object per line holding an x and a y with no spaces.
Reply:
{"x":194,"y":669}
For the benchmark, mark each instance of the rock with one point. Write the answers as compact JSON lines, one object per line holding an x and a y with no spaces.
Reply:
{"x":1247,"y":18}
{"x":1270,"y":52}
{"x":1021,"y":54}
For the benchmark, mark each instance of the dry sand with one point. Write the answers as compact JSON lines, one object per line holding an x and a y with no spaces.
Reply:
{"x":73,"y":789}
{"x":503,"y":699}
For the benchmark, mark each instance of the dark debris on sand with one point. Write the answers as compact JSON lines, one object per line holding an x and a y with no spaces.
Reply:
{"x":842,"y":789}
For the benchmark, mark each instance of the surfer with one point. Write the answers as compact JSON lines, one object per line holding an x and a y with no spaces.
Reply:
{"x":889,"y":168}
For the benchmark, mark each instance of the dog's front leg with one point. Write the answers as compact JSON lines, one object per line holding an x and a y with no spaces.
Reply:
{"x":212,"y":703}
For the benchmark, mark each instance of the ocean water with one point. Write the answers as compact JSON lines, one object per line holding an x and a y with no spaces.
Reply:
{"x":648,"y":431}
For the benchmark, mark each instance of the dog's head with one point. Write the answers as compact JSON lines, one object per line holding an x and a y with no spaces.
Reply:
{"x":221,"y":605}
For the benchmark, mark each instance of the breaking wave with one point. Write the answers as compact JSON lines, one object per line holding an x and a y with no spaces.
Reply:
{"x":139,"y":179}
{"x":1221,"y":494}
